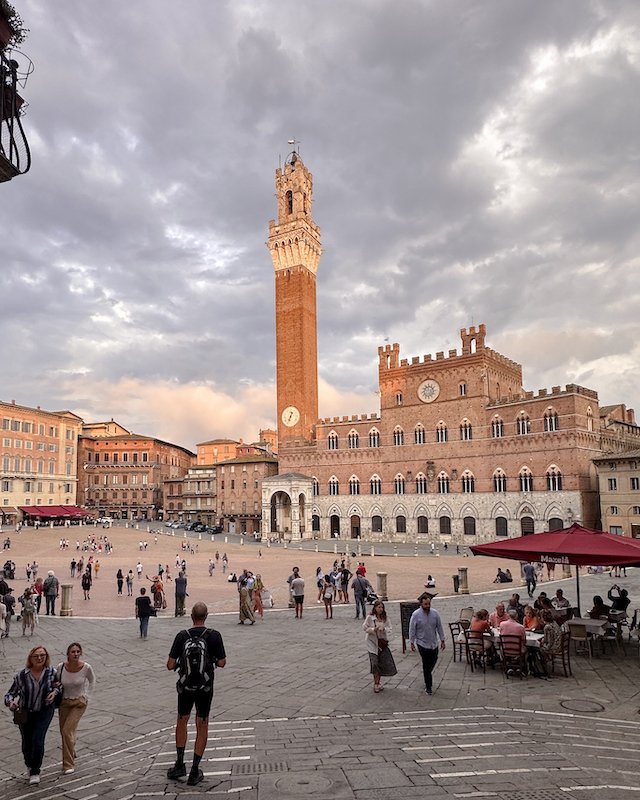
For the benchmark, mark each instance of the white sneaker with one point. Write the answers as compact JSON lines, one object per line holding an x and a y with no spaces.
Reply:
{"x":34,"y":779}
{"x":69,"y":771}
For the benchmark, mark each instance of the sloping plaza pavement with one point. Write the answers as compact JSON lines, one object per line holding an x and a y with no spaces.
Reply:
{"x":295,"y":716}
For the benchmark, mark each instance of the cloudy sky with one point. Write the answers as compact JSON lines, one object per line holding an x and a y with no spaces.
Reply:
{"x":473,"y":162}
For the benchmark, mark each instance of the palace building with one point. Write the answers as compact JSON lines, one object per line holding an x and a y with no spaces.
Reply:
{"x":459,"y":452}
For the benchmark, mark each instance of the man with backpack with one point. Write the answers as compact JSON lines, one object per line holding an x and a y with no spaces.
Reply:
{"x":195,"y":653}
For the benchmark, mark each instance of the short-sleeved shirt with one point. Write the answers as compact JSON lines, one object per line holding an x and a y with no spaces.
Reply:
{"x":215,"y":648}
{"x":297,"y":587}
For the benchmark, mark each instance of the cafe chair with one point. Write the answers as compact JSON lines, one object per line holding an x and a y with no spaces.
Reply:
{"x":459,"y":641}
{"x":465,"y":617}
{"x":477,"y":654}
{"x":564,"y":656}
{"x":582,"y":643}
{"x":513,"y":655}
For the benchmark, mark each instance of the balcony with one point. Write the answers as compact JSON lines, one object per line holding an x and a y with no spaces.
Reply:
{"x":15,"y":156}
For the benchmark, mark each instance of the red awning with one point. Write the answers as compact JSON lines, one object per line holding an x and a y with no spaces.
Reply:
{"x":54,"y":511}
{"x":574,"y":545}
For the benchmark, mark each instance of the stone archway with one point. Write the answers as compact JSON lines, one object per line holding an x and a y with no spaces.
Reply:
{"x":355,"y":526}
{"x":334,"y":526}
{"x":280,"y":514}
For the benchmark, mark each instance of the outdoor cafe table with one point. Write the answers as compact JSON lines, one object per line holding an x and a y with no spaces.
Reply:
{"x":533,"y":639}
{"x":593,"y":626}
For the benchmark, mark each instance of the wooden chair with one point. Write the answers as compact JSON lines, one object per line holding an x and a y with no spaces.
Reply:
{"x":580,"y":637}
{"x":477,"y":654}
{"x":459,"y":641}
{"x":565,"y":653}
{"x":513,"y":655}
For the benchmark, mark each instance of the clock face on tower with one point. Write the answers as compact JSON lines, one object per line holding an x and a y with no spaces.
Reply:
{"x":290,"y":416}
{"x":428,"y":390}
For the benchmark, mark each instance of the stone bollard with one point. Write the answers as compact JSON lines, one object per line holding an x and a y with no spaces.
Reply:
{"x":66,"y":609}
{"x":226,"y":540}
{"x":415,"y":551}
{"x":395,"y":550}
{"x":335,"y":547}
{"x":316,"y":548}
{"x":199,"y":536}
{"x":382,"y":586}
{"x":464,"y":583}
{"x":213,"y":538}
{"x":566,"y":570}
{"x":373,"y":552}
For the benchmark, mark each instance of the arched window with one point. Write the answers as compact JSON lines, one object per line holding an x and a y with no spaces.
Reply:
{"x":501,"y":526}
{"x":401,"y":524}
{"x":551,"y":422}
{"x":462,"y":389}
{"x":421,"y":483}
{"x":376,"y":524}
{"x":398,"y":436}
{"x":398,"y":398}
{"x":443,"y":483}
{"x":398,"y":484}
{"x":445,"y":526}
{"x":554,"y":479}
{"x":289,"y":202}
{"x":375,"y":485}
{"x":497,"y":428}
{"x":527,"y":526}
{"x":466,"y":432}
{"x":354,"y":485}
{"x":441,"y":432}
{"x":374,"y":438}
{"x":316,"y":487}
{"x":589,"y":419}
{"x":418,"y":434}
{"x":469,"y":524}
{"x":334,"y":485}
{"x":523,"y":424}
{"x":423,"y":525}
{"x":555,"y":524}
{"x":526,"y":480}
{"x":353,"y":440}
{"x":468,"y":482}
{"x":499,"y":481}
{"x":332,"y":441}
{"x":315,"y":522}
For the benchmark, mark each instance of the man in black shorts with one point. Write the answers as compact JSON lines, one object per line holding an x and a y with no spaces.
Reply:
{"x":195,"y":666}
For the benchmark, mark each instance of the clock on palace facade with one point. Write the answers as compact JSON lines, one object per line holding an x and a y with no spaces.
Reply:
{"x":294,"y":244}
{"x":428,"y":390}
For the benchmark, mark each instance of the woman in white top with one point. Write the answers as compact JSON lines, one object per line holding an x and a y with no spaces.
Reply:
{"x":378,"y":630}
{"x":78,"y":679}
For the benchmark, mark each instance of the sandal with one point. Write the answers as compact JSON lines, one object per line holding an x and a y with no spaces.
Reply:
{"x":376,"y":689}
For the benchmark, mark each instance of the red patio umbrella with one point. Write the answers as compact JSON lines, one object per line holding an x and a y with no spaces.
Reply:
{"x":575,"y":545}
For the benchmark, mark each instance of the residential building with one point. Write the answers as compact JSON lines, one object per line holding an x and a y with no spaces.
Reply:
{"x":239,"y":487}
{"x":38,"y":460}
{"x":122,"y":474}
{"x":619,"y":481}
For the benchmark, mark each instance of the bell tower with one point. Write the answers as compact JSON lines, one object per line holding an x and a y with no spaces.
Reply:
{"x":294,"y":243}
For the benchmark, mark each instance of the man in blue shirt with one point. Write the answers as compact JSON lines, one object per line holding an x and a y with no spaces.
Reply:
{"x":425,"y":628}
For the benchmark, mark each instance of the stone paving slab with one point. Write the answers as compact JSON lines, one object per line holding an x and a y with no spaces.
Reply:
{"x":295,"y":702}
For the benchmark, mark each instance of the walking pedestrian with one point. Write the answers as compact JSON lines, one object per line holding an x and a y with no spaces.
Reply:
{"x":31,"y":698}
{"x":246,"y":611}
{"x":51,"y":587}
{"x":180,"y":584}
{"x":425,"y":627}
{"x":78,"y":680}
{"x":258,"y":586}
{"x":378,"y":632}
{"x":28,"y":612}
{"x":129,"y":580}
{"x":297,"y":592}
{"x":361,"y":587}
{"x":144,"y":610}
{"x":195,"y":653}
{"x":529,"y":573}
{"x":86,"y":582}
{"x":327,"y":596}
{"x":119,"y":581}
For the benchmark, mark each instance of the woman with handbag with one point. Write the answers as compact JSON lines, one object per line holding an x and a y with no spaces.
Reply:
{"x":77,"y":679}
{"x":32,"y":698}
{"x":378,"y":630}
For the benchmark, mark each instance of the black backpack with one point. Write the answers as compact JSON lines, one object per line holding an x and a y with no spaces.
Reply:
{"x":195,"y":666}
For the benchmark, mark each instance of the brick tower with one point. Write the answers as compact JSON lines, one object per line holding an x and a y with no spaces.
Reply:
{"x":294,"y":243}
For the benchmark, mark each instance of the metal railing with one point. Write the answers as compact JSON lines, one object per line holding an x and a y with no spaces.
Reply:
{"x":15,"y":156}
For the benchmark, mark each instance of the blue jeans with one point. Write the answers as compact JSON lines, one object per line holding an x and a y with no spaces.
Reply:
{"x":144,"y":626}
{"x":50,"y":601}
{"x":33,"y":733}
{"x":361,"y":604}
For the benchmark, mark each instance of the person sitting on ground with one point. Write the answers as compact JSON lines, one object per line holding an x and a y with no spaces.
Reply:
{"x":430,"y":584}
{"x":560,"y":601}
{"x":622,"y":601}
{"x":600,"y":608}
{"x":502,"y":577}
{"x":507,"y":572}
{"x":552,"y":643}
{"x":498,"y":616}
{"x":514,"y":602}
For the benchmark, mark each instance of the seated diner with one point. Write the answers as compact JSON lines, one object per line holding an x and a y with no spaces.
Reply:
{"x":600,"y":608}
{"x":552,"y":641}
{"x":531,"y":620}
{"x":498,"y":616}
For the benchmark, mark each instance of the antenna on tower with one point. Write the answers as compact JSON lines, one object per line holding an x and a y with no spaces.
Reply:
{"x":294,"y":143}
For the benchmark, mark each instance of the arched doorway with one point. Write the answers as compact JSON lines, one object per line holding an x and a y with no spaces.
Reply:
{"x":355,"y":527}
{"x":334,"y":526}
{"x":280,"y":513}
{"x":527,"y":526}
{"x":555,"y":524}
